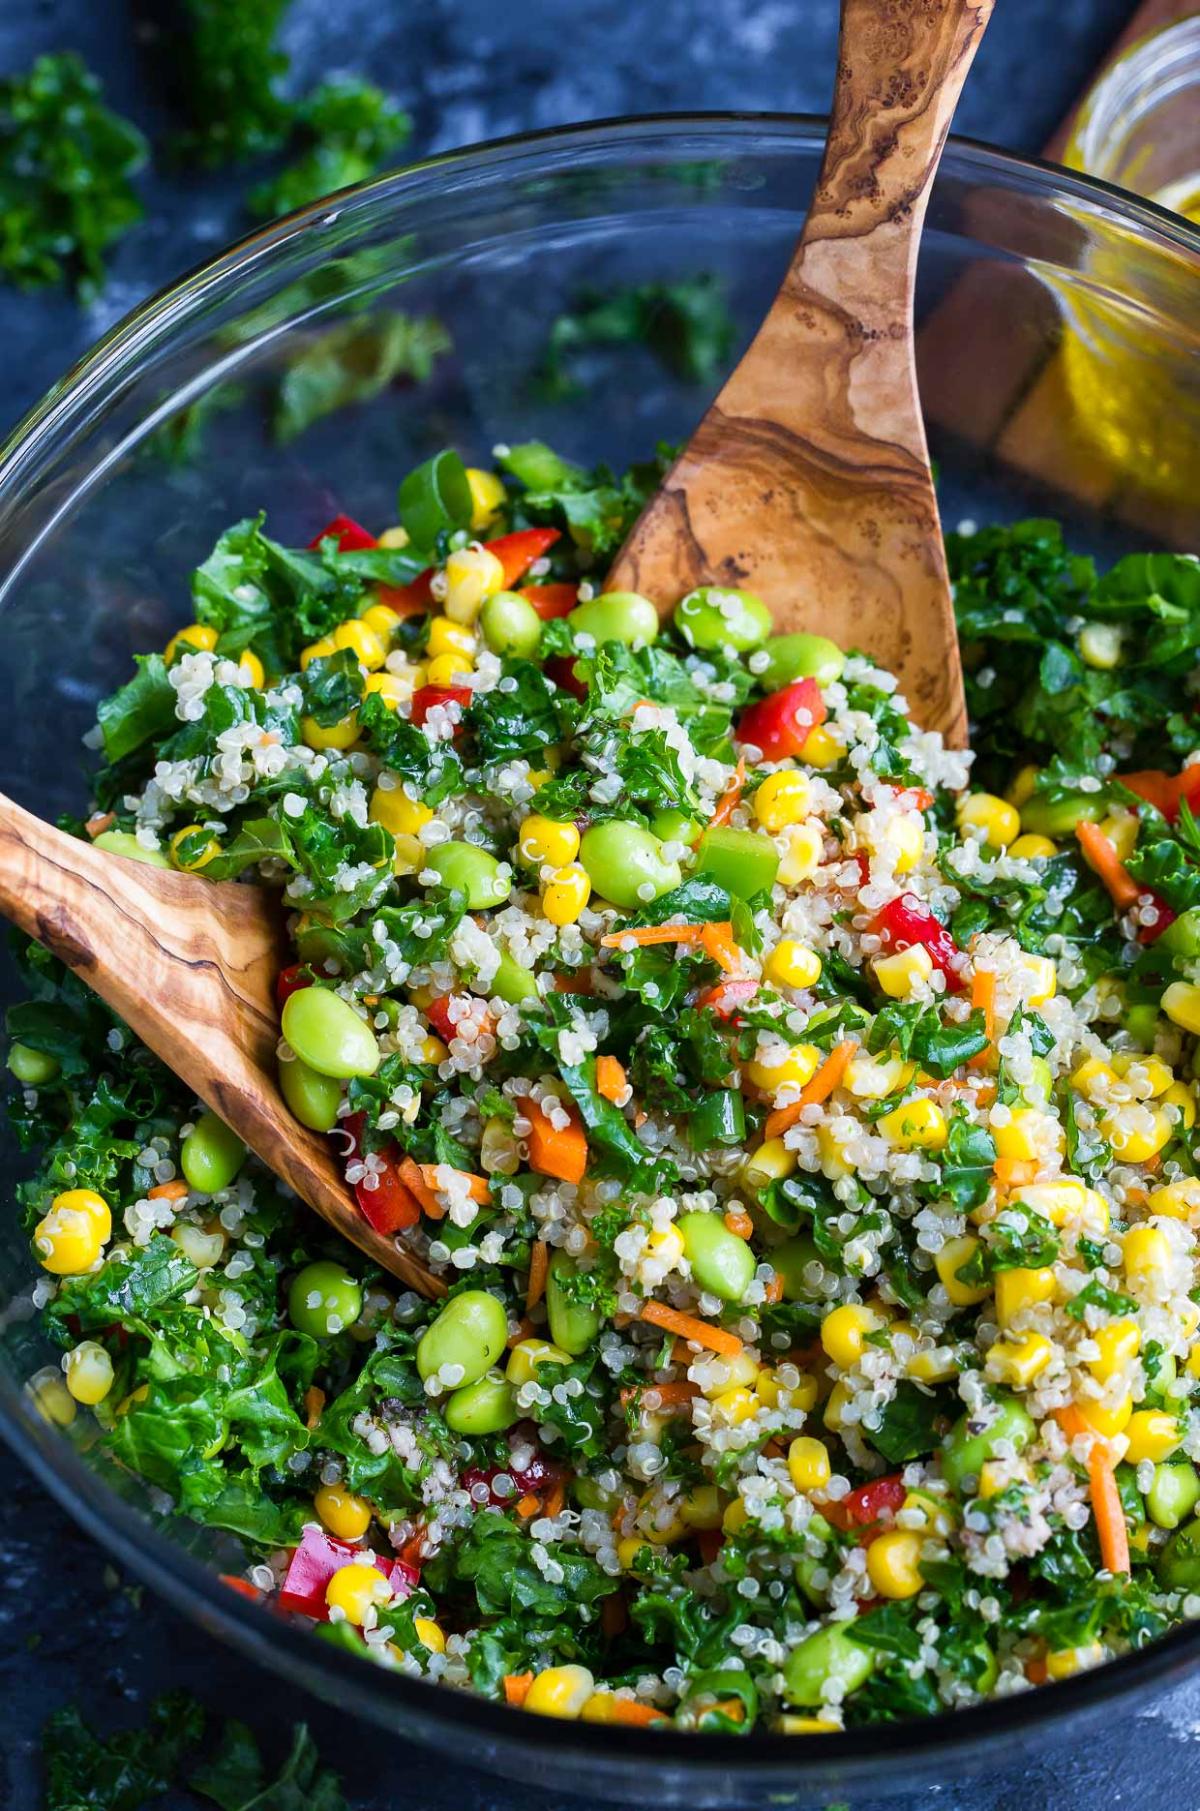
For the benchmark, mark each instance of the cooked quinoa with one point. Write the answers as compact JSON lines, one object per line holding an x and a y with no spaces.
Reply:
{"x":801,"y":1126}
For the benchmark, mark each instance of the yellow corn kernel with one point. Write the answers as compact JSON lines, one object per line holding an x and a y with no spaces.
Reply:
{"x":316,"y":650}
{"x":527,"y":1355}
{"x":875,"y":1077}
{"x":901,"y":973}
{"x":915,"y":1125}
{"x":382,"y":620}
{"x":771,"y":1162}
{"x":432,"y":1050}
{"x":999,"y":821}
{"x":200,"y":639}
{"x":803,"y":848}
{"x":252,"y":670}
{"x":334,"y":735}
{"x":1151,"y":1435}
{"x":89,"y":1373}
{"x":1036,"y":978}
{"x":844,"y":1329}
{"x":949,"y":1261}
{"x":1060,"y":1201}
{"x":702,"y":1507}
{"x":193,"y":863}
{"x":1176,"y":1200}
{"x":1093,"y":1077}
{"x":487,"y":496}
{"x":789,"y":1725}
{"x":937,"y":1513}
{"x":358,"y":636}
{"x":996,"y":1475}
{"x":448,"y":669}
{"x":544,"y":842}
{"x":70,"y":1238}
{"x":794,"y":1068}
{"x":1107,"y":1421}
{"x":355,"y":1589}
{"x":628,"y":1549}
{"x":604,"y":1707}
{"x":1017,"y":1362}
{"x":392,"y":807}
{"x":1148,"y":1076}
{"x":1192,"y":1362}
{"x":472,"y":574}
{"x":835,"y":1407}
{"x":894,"y":1563}
{"x":783,"y":798}
{"x":394,"y":688}
{"x":1019,"y":1289}
{"x":832,"y":1148}
{"x":821,"y":748}
{"x":408,"y":856}
{"x":1181,"y":1003}
{"x":344,"y":1514}
{"x":741,"y":1370}
{"x":1180,"y":1096}
{"x":1121,"y":829}
{"x":1068,"y":1661}
{"x":429,"y":1634}
{"x":665,"y":1245}
{"x":733,"y":1407}
{"x":1030,"y":846}
{"x":48,"y":1392}
{"x":1028,"y":1134}
{"x":733,"y":1519}
{"x":566,"y":893}
{"x":808,"y":1463}
{"x":905,"y":841}
{"x":938,"y":1364}
{"x":792,"y":964}
{"x":1119,"y":1342}
{"x":1146,"y":1257}
{"x":448,"y":637}
{"x":561,"y":1691}
{"x":394,"y":536}
{"x":1022,"y":786}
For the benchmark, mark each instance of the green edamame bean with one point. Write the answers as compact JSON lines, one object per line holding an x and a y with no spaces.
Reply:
{"x":790,"y":1260}
{"x":211,"y":1155}
{"x":573,"y":1325}
{"x":514,"y":982}
{"x":485,"y":1407}
{"x":123,"y":842}
{"x":1173,"y":1494}
{"x":1141,"y":1022}
{"x":829,"y":1654}
{"x":677,"y":827}
{"x":721,"y":1262}
{"x":33,"y":1067}
{"x":471,"y":870}
{"x":326,"y":1033}
{"x":1043,"y":817}
{"x":323,"y":1300}
{"x":510,"y":624}
{"x":626,"y":864}
{"x":617,"y":616}
{"x":588,"y":1494}
{"x":1178,"y":1567}
{"x":969,"y":1443}
{"x":313,"y":1098}
{"x":801,"y":656}
{"x":469,"y":1335}
{"x":717,"y":616}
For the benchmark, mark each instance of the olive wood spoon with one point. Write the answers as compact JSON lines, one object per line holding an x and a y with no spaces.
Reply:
{"x":190,"y":966}
{"x":808,"y":479}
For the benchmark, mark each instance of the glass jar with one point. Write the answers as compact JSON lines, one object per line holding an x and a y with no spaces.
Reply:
{"x":1140,"y":125}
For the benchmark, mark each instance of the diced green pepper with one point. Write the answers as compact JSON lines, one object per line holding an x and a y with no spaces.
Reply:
{"x":741,"y":861}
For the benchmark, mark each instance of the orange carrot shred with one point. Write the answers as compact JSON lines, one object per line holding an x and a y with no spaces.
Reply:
{"x":699,"y":1332}
{"x":561,"y":1152}
{"x":645,"y":934}
{"x":539,"y":1265}
{"x":516,"y":1687}
{"x":739,"y":1223}
{"x":983,"y":999}
{"x":477,"y":1186}
{"x":1107,"y":1509}
{"x":167,"y":1191}
{"x":611,"y":1081}
{"x":412,"y":1175}
{"x":96,"y":826}
{"x":728,"y":802}
{"x":666,"y":1397}
{"x":528,"y":1506}
{"x":720,"y":946}
{"x":314,"y":1402}
{"x":629,"y":1712}
{"x":555,"y":1499}
{"x":525,"y":1330}
{"x":774,"y":1290}
{"x":1123,"y":890}
{"x":828,"y":1077}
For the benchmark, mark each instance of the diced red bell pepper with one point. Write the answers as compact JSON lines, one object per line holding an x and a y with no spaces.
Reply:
{"x":1150,"y":933}
{"x":541,"y":1472}
{"x":317,"y":1558}
{"x":861,"y":1509}
{"x":905,"y":921}
{"x":560,"y":671}
{"x":413,"y":599}
{"x":724,"y":997}
{"x":291,"y":981}
{"x":389,"y":1207}
{"x":1164,"y":792}
{"x":351,"y":537}
{"x":551,"y":601}
{"x":781,"y":724}
{"x":517,"y":552}
{"x":426,"y":697}
{"x":438,"y":1014}
{"x":242,"y":1586}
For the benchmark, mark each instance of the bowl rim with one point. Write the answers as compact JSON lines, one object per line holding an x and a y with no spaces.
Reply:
{"x":603,"y":1757}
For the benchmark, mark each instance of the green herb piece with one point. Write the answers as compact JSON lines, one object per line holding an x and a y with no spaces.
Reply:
{"x":687,"y":325}
{"x":355,"y":362}
{"x":346,"y":129}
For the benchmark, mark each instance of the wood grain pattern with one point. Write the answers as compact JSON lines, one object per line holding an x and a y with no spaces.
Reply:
{"x":190,"y":966}
{"x":808,"y":479}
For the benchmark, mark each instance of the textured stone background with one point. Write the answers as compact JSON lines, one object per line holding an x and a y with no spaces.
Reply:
{"x":468,"y":69}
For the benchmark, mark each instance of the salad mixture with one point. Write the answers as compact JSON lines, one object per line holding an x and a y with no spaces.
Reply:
{"x":799,"y":1114}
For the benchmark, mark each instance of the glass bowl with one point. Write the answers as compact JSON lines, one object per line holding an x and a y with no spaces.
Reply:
{"x":183,"y":419}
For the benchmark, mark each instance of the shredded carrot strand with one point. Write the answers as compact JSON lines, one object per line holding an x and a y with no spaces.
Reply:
{"x":720,"y":946}
{"x":728,"y":802}
{"x":645,"y":934}
{"x":96,"y":826}
{"x":412,"y":1175}
{"x":983,"y":999}
{"x":525,"y":1330}
{"x":555,"y":1499}
{"x":477,"y":1186}
{"x":559,"y":1151}
{"x":539,"y":1265}
{"x":699,"y":1332}
{"x":773,"y":1291}
{"x":669,"y":1396}
{"x":611,"y":1081}
{"x":739,"y":1223}
{"x":1014,"y":1172}
{"x":1071,"y":1421}
{"x":167,"y":1191}
{"x":828,"y":1077}
{"x":634,"y":1715}
{"x":528,"y":1506}
{"x":1123,"y":890}
{"x":314,"y":1402}
{"x":516,"y":1687}
{"x":1107,"y":1509}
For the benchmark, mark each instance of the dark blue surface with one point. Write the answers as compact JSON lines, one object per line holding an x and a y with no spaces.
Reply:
{"x":467,"y":69}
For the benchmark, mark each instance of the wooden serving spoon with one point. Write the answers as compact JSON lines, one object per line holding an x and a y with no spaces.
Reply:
{"x":808,"y":479}
{"x":190,"y":965}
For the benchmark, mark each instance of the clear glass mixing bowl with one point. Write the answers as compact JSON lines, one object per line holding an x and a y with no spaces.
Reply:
{"x":118,"y":484}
